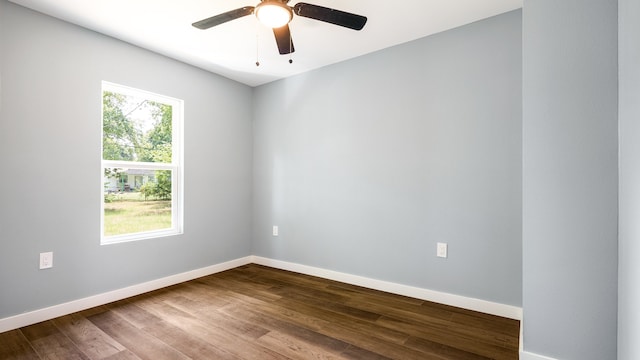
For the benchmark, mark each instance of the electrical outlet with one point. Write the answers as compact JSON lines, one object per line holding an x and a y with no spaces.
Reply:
{"x":275,"y":230}
{"x":46,"y":260}
{"x":441,"y":250}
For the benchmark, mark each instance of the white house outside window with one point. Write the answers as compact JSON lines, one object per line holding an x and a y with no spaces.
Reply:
{"x":141,"y":183}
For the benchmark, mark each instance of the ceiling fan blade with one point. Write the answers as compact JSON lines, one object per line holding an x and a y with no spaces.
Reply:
{"x":283,"y":38}
{"x":223,"y":18}
{"x":336,"y":17}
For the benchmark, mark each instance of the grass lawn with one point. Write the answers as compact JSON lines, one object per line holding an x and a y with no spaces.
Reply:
{"x":130,"y":213}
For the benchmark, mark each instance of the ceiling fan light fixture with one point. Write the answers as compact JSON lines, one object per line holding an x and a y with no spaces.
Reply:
{"x":273,"y":13}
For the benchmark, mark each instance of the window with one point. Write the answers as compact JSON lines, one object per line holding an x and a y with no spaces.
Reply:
{"x":141,"y":164}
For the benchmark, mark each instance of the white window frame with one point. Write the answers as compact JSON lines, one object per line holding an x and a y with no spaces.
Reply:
{"x":177,"y":172}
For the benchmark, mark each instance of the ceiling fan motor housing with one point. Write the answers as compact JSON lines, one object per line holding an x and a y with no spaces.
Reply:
{"x":274,"y":13}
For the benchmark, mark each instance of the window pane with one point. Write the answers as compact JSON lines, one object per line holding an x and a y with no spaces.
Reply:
{"x":135,"y":129}
{"x":141,"y":155}
{"x":136,"y":200}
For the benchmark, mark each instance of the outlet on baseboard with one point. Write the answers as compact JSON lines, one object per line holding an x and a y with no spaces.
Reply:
{"x":46,"y":260}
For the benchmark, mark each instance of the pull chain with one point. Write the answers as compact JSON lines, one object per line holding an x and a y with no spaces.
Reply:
{"x":257,"y":46}
{"x":290,"y":48}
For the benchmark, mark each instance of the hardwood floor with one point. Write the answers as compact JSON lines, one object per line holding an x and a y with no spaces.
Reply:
{"x":256,"y":312}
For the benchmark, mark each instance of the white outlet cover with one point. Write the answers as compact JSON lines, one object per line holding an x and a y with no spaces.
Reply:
{"x":275,"y":230}
{"x":46,"y":260}
{"x":441,"y":250}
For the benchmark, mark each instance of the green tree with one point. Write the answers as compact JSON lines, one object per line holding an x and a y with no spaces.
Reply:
{"x":120,"y":138}
{"x":160,"y":188}
{"x":163,"y":184}
{"x":157,"y":141}
{"x":157,"y":148}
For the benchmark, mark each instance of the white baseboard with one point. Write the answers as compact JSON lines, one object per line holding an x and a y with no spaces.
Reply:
{"x":531,"y":356}
{"x":18,"y":321}
{"x":32,"y":317}
{"x":488,"y":307}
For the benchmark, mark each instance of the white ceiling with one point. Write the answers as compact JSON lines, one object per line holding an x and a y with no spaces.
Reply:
{"x":231,"y":49}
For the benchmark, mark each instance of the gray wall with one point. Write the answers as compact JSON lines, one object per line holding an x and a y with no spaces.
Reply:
{"x":366,"y":164}
{"x":629,"y":245}
{"x":51,"y":75}
{"x":570,"y":178}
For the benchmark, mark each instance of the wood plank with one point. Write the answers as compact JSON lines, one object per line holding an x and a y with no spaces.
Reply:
{"x":308,"y":314}
{"x":327,"y":303}
{"x":14,"y":345}
{"x":450,"y":338}
{"x":134,"y":315}
{"x":371,"y":343}
{"x":328,"y":343}
{"x":471,"y":327}
{"x":92,"y":341}
{"x":187,"y":343}
{"x":123,"y":355}
{"x":295,"y":348}
{"x":50,"y":343}
{"x":356,"y":353}
{"x":141,"y":344}
{"x":239,"y":344}
{"x":437,"y":350}
{"x":343,"y":328}
{"x":279,"y":325}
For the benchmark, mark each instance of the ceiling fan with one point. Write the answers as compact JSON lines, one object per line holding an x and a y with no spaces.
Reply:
{"x":276,"y":14}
